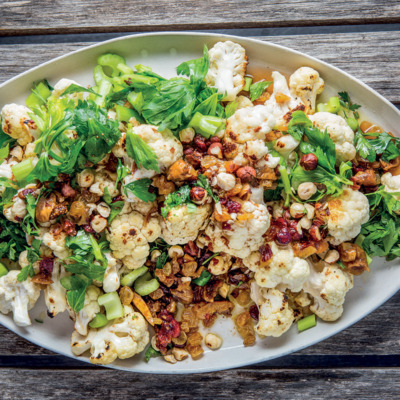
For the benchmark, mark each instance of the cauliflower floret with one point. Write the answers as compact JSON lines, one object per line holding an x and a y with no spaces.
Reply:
{"x":306,"y":84}
{"x":167,"y":147}
{"x":5,"y":169}
{"x":243,"y":102}
{"x":255,"y":149}
{"x":62,"y":85}
{"x":275,"y":315}
{"x":122,"y":339}
{"x":18,"y":297}
{"x":253,"y":123}
{"x":285,"y":145}
{"x":340,"y":133}
{"x":329,"y":289}
{"x":129,"y":235}
{"x":180,"y":226}
{"x":55,"y":294}
{"x":243,"y":237}
{"x":347,"y":213}
{"x":101,"y":181}
{"x":111,"y":279}
{"x":55,"y":241}
{"x":90,"y":309}
{"x":17,"y":211}
{"x":392,"y":184}
{"x":17,"y":123}
{"x":137,"y":204}
{"x":283,"y":270}
{"x":228,"y":62}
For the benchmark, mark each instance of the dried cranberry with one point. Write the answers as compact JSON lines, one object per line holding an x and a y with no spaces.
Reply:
{"x":200,"y":143}
{"x":233,"y":206}
{"x":46,"y":266}
{"x":112,"y":163}
{"x":283,"y":237}
{"x":271,"y":233}
{"x":215,"y":139}
{"x":188,"y":150}
{"x":293,"y":230}
{"x":266,"y":252}
{"x":207,"y":254}
{"x":67,"y":190}
{"x":254,"y":312}
{"x":191,"y":249}
{"x":280,"y":222}
{"x":370,"y":189}
{"x":170,"y":328}
{"x":87,"y":228}
{"x":22,"y":194}
{"x":69,"y":227}
{"x":226,"y":226}
{"x":117,"y":198}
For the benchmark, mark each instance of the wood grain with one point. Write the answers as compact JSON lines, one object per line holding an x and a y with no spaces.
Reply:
{"x":247,"y":384}
{"x":51,"y":16}
{"x":372,"y":57}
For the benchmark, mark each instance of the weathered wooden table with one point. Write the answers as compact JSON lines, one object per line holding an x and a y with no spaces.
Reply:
{"x":361,"y":37}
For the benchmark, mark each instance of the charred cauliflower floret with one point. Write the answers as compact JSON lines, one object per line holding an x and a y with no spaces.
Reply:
{"x":275,"y":315}
{"x":346,"y":215}
{"x":251,"y":123}
{"x":90,"y":309}
{"x":329,"y":289}
{"x":55,"y":241}
{"x":283,"y":270}
{"x":167,"y":147}
{"x":18,"y":297}
{"x":102,"y":180}
{"x":17,"y":123}
{"x":227,"y":67}
{"x":111,"y":281}
{"x":123,"y":338}
{"x":129,"y":235}
{"x":17,"y":211}
{"x":243,"y":236}
{"x":340,"y":133}
{"x":306,"y":84}
{"x":55,"y":293}
{"x":180,"y":226}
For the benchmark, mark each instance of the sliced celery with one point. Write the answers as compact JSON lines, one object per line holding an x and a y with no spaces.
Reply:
{"x":144,"y":285}
{"x":112,"y":304}
{"x":247,"y":83}
{"x":307,"y":323}
{"x":128,"y":279}
{"x":3,"y":270}
{"x":22,"y":169}
{"x":98,"y":321}
{"x":125,"y":114}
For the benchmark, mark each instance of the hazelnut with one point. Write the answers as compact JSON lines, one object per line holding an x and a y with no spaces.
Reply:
{"x":175,"y":251}
{"x":215,"y":150}
{"x":331,"y":256}
{"x":198,"y":195}
{"x":213,"y":341}
{"x":309,"y":161}
{"x":306,"y":190}
{"x":297,"y":210}
{"x":170,"y":358}
{"x":246,"y":174}
{"x":315,"y":233}
{"x":179,"y":354}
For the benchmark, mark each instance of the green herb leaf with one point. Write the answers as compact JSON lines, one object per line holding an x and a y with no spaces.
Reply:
{"x":4,"y":151}
{"x":181,"y":196}
{"x":73,"y":88}
{"x":203,"y":182}
{"x":150,"y":353}
{"x":364,"y":147}
{"x":26,"y":272}
{"x":203,"y":279}
{"x":140,"y":189}
{"x":161,"y":260}
{"x":141,"y":152}
{"x":258,"y":88}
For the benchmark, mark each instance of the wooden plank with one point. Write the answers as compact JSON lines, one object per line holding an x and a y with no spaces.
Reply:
{"x":43,"y":16}
{"x":376,"y":334}
{"x":371,"y":57}
{"x":249,"y":384}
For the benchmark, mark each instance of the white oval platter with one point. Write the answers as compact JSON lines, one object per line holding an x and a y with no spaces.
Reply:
{"x":163,"y":52}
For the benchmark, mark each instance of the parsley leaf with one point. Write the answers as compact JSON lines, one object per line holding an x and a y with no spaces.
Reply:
{"x":141,"y":152}
{"x":73,"y":88}
{"x":364,"y":147}
{"x":150,"y":353}
{"x":346,"y":103}
{"x":140,"y":189}
{"x":122,"y":172}
{"x":4,"y":153}
{"x":116,"y":206}
{"x":203,"y":279}
{"x":181,"y":196}
{"x":26,"y":272}
{"x":32,"y":256}
{"x":258,"y":88}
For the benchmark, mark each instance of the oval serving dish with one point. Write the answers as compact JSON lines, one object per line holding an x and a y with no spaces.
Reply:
{"x":163,"y":52}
